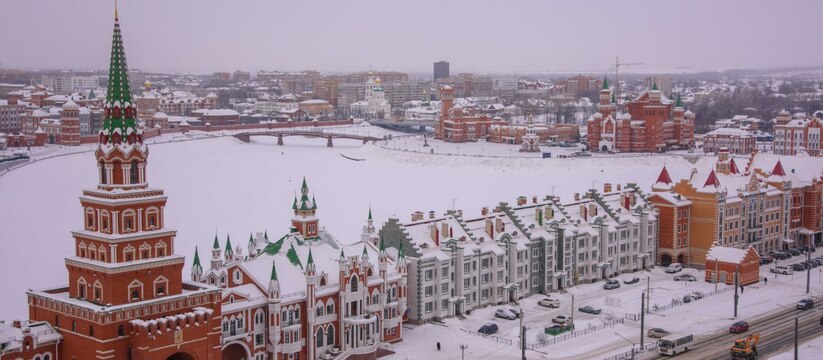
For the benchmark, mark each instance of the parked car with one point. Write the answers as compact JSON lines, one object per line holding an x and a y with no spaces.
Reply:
{"x":633,"y":280}
{"x":779,"y":255}
{"x":697,"y":295}
{"x":561,"y":319}
{"x":673,"y":268}
{"x":821,"y":320}
{"x":549,"y":302}
{"x":611,"y":284}
{"x":657,"y":333}
{"x":739,"y":327}
{"x":505,"y":314}
{"x":794,"y":252}
{"x":515,"y":311}
{"x":784,"y":270}
{"x":798,"y":267}
{"x":805,"y":304}
{"x":557,"y":329}
{"x":589,"y":310}
{"x":685,"y":277}
{"x":488,"y":329}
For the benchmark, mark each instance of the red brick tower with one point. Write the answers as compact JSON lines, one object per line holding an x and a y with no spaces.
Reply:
{"x":446,"y":103}
{"x":70,"y":124}
{"x":126,"y":298}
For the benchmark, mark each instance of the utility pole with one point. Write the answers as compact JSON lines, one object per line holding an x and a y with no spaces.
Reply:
{"x":522,"y":336}
{"x":796,"y":320}
{"x":648,"y":293}
{"x":642,"y":319}
{"x":808,"y":265}
{"x":571,"y":317}
{"x":736,"y":275}
{"x":617,"y":65}
{"x":463,"y":351}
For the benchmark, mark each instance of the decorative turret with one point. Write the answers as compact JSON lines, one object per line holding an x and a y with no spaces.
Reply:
{"x":196,"y":268}
{"x":383,"y":258}
{"x":400,"y":264}
{"x":274,"y":284}
{"x":607,"y":105}
{"x":305,"y":210}
{"x":364,"y":259}
{"x":342,"y":261}
{"x":252,"y":246}
{"x":369,"y":232}
{"x":229,"y":253}
{"x":216,"y":259}
{"x":311,"y":268}
{"x":664,"y":181}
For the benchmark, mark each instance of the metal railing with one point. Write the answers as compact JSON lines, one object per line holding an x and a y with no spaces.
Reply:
{"x":571,"y":335}
{"x":496,"y":338}
{"x":631,"y":353}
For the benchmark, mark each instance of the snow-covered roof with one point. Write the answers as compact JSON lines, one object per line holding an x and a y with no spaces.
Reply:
{"x":729,"y":132}
{"x":727,"y":254}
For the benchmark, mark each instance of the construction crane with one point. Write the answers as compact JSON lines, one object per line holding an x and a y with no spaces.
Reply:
{"x":617,"y":65}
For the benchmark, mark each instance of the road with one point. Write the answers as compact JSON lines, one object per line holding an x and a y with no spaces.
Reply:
{"x":776,"y":334}
{"x":9,"y":164}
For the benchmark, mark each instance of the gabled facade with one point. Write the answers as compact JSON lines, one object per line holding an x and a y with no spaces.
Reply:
{"x":306,"y":295}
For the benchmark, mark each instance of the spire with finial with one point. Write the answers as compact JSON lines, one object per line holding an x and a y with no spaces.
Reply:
{"x":679,"y":103}
{"x":196,"y":268}
{"x":119,"y":112}
{"x":311,"y":268}
{"x":654,"y":85}
{"x":605,"y":84}
{"x":274,"y":284}
{"x":229,"y":253}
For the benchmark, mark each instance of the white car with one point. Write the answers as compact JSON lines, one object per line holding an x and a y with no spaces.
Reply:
{"x":549,"y":302}
{"x":673,"y":268}
{"x":505,"y":314}
{"x":561,"y":319}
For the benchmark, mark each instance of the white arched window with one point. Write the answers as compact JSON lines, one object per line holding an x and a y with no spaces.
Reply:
{"x":319,"y":309}
{"x":161,"y":286}
{"x":145,"y":251}
{"x":160,"y":248}
{"x":81,"y":250}
{"x":89,"y":218}
{"x":353,"y":283}
{"x":98,"y":291}
{"x":92,"y":252}
{"x":105,"y":220}
{"x":128,"y":253}
{"x":101,"y":253}
{"x":135,"y":290}
{"x":81,"y":288}
{"x":152,"y":218}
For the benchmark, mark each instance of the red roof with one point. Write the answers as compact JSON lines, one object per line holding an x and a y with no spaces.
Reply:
{"x":712,"y":180}
{"x":733,"y":167}
{"x":664,"y":177}
{"x":778,"y":169}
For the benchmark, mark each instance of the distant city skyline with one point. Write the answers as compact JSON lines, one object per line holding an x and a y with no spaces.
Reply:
{"x":206,"y":36}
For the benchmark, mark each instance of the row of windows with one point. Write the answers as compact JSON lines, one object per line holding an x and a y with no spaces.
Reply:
{"x":128,"y":220}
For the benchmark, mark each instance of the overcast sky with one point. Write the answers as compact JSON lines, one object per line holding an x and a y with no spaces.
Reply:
{"x":475,"y":36}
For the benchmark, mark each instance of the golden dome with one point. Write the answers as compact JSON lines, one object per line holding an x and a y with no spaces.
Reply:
{"x":378,"y":81}
{"x":147,"y":84}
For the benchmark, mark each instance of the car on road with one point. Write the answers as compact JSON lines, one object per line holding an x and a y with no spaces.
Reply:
{"x":549,"y":302}
{"x":739,"y":327}
{"x":784,"y":270}
{"x":561,"y":319}
{"x":798,"y":267}
{"x":779,"y":255}
{"x":633,"y":280}
{"x":515,"y":311}
{"x":505,"y":314}
{"x":805,"y":304}
{"x":488,"y":329}
{"x":685,"y":277}
{"x":794,"y":252}
{"x":657,"y":333}
{"x":673,"y":268}
{"x":611,"y":284}
{"x":589,"y":310}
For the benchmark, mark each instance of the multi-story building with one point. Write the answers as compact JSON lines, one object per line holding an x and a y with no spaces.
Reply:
{"x":798,"y":135}
{"x":241,"y":76}
{"x":10,"y":112}
{"x":737,"y":141}
{"x":457,"y":264}
{"x":315,"y":107}
{"x":579,"y":85}
{"x":70,"y":124}
{"x":307,"y":295}
{"x":325,"y":88}
{"x":664,"y":83}
{"x":457,"y":125}
{"x":29,"y":340}
{"x":653,"y":123}
{"x":126,"y":297}
{"x":505,"y":133}
{"x":441,"y":70}
{"x":375,"y":106}
{"x":724,"y":206}
{"x":176,"y":103}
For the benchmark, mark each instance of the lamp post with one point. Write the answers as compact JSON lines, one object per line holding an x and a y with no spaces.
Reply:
{"x":629,"y":341}
{"x":463,"y":351}
{"x":796,"y":321}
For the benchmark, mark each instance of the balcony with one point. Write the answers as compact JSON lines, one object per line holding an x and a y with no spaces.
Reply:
{"x":291,"y":348}
{"x":325,"y":318}
{"x":390,"y":323}
{"x":372,"y":308}
{"x":234,"y":335}
{"x":360,"y":319}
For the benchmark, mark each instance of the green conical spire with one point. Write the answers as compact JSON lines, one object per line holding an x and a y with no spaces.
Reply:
{"x":654,"y":86}
{"x":614,"y":100}
{"x":305,"y":188}
{"x":679,"y":103}
{"x":382,"y":245}
{"x":400,"y":254}
{"x":196,"y":257}
{"x":313,"y":203}
{"x":266,"y":235}
{"x":251,"y":239}
{"x":311,"y":259}
{"x":216,"y":243}
{"x":365,"y":253}
{"x":273,"y":271}
{"x":605,"y":84}
{"x":342,"y":255}
{"x":369,"y":212}
{"x":228,"y":244}
{"x":294,"y":206}
{"x":120,"y":112}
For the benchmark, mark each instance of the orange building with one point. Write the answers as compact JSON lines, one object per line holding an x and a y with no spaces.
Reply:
{"x":674,"y":212}
{"x":126,"y":298}
{"x":726,"y":261}
{"x":457,"y":124}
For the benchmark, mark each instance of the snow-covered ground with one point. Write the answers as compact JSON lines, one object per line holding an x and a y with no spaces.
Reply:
{"x":811,"y":349}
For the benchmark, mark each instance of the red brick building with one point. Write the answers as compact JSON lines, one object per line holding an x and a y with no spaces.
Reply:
{"x":70,"y":124}
{"x":29,"y":340}
{"x":652,"y":123}
{"x":673,"y":219}
{"x":795,"y":136}
{"x":726,"y":261}
{"x":736,"y":141}
{"x":457,"y":125}
{"x":126,"y":298}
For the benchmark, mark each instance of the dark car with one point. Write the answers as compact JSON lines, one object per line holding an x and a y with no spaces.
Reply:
{"x":779,"y":256}
{"x":685,"y":277}
{"x":794,"y":252}
{"x":764,"y":261}
{"x":805,"y":304}
{"x":611,"y":284}
{"x":821,"y":320}
{"x":633,"y":280}
{"x":798,"y":267}
{"x":589,"y":310}
{"x":739,"y":327}
{"x":488,"y":329}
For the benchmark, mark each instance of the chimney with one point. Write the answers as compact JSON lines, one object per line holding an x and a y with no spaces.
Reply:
{"x":435,"y":234}
{"x":592,"y":209}
{"x":576,"y":196}
{"x":498,"y":225}
{"x":444,"y":229}
{"x":490,"y":228}
{"x":16,"y":323}
{"x":607,"y":187}
{"x":431,"y":214}
{"x":459,"y":212}
{"x":584,"y":213}
{"x":417,"y":216}
{"x":534,"y":199}
{"x":618,"y":187}
{"x":521,"y":200}
{"x":627,"y":201}
{"x":484,"y":211}
{"x":549,"y":213}
{"x":538,"y":215}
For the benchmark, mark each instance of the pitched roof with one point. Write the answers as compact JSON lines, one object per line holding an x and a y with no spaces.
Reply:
{"x":712,"y":180}
{"x":778,"y":169}
{"x":664,"y":177}
{"x":733,"y":167}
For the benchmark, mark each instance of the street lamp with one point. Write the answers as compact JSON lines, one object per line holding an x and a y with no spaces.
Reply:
{"x":796,"y":321}
{"x":629,"y":341}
